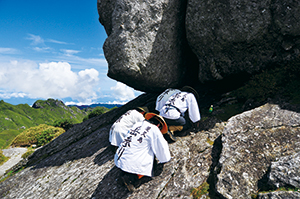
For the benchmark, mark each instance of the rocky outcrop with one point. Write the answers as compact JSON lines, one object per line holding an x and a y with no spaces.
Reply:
{"x":232,"y":37}
{"x":279,"y":195}
{"x":285,"y":172}
{"x":79,"y":164}
{"x":145,"y":41}
{"x":149,"y":44}
{"x":235,"y":158}
{"x":251,"y":141}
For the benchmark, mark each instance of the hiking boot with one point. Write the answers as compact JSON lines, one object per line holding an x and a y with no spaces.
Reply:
{"x":128,"y":183}
{"x":171,"y":136}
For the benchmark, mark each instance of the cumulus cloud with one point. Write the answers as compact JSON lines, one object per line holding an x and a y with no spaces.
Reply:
{"x":122,"y":92}
{"x":47,"y":80}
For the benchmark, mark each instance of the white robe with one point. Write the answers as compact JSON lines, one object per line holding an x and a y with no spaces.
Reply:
{"x":119,"y":129}
{"x":163,"y":98}
{"x":183,"y":101}
{"x":136,"y":153}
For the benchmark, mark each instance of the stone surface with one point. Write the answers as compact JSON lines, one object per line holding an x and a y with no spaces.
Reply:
{"x":14,"y":155}
{"x":151,"y":45}
{"x":279,"y":195}
{"x":79,"y":164}
{"x":285,"y":172}
{"x":236,"y":37}
{"x":251,"y":141}
{"x":145,"y":42}
{"x":85,"y":169}
{"x":233,"y":157}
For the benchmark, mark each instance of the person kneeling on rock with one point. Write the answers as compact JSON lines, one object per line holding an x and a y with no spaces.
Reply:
{"x":144,"y":141}
{"x":119,"y":129}
{"x":172,"y":105}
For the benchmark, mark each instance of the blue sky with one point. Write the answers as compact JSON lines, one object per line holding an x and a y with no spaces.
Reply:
{"x":53,"y":49}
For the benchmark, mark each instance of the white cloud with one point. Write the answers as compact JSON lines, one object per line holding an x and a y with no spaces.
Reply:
{"x":35,"y":39}
{"x":6,"y":95}
{"x":68,"y":52}
{"x":122,"y":92}
{"x":48,"y":80}
{"x":8,"y":51}
{"x":55,"y":41}
{"x":43,"y":49}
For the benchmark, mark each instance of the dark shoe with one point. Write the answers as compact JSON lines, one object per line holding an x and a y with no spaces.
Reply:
{"x":128,"y":183}
{"x":171,"y":136}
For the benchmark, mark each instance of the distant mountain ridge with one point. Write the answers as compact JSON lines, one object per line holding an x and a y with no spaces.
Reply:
{"x":15,"y":118}
{"x":109,"y":106}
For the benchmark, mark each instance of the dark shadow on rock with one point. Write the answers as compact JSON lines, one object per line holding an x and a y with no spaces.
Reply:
{"x":262,"y":184}
{"x":105,"y":156}
{"x":215,"y":169}
{"x":96,"y":142}
{"x":112,"y":185}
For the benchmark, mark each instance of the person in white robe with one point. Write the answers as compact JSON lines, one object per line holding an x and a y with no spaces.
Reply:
{"x":119,"y":129}
{"x":174,"y":108}
{"x":144,"y":141}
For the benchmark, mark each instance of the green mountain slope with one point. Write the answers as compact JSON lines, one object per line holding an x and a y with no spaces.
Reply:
{"x":15,"y":118}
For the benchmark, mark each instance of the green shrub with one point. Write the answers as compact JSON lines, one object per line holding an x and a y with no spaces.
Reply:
{"x":64,"y":123}
{"x":99,"y":110}
{"x":39,"y":135}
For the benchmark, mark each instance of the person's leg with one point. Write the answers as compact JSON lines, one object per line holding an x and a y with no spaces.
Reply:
{"x":174,"y":125}
{"x":129,"y":180}
{"x":176,"y":122}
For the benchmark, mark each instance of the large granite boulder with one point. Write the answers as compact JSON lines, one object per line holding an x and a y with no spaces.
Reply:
{"x":235,"y":37}
{"x":251,"y":141}
{"x":152,"y":44}
{"x":145,"y":42}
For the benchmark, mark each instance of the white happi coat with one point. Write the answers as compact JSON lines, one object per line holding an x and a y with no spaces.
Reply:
{"x":164,"y":97}
{"x":136,"y":153}
{"x":183,"y":101}
{"x":119,"y":129}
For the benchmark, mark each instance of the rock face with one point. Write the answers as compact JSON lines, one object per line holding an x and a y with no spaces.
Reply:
{"x":251,"y":141}
{"x":285,"y":172}
{"x":236,"y":158}
{"x":147,"y":42}
{"x":231,"y":37}
{"x":79,"y":164}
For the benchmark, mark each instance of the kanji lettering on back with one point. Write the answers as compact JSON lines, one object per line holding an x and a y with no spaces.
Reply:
{"x":134,"y":131}
{"x":124,"y":144}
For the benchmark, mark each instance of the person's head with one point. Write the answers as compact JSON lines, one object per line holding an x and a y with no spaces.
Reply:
{"x":158,"y":121}
{"x":190,"y":90}
{"x":142,"y":110}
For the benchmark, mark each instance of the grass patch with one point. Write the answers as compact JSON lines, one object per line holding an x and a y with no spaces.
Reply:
{"x":28,"y":153}
{"x":6,"y":137}
{"x":39,"y":135}
{"x":2,"y":158}
{"x":201,"y":190}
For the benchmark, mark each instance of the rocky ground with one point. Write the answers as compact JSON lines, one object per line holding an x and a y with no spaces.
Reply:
{"x":14,"y":155}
